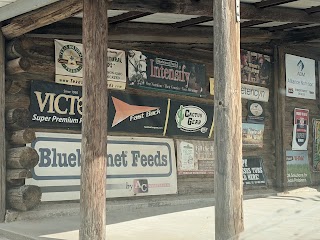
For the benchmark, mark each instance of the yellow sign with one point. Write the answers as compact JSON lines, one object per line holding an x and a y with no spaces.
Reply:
{"x":211,"y":86}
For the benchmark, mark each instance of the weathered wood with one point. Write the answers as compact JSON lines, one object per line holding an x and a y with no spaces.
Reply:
{"x":279,"y":106}
{"x":94,"y":126}
{"x":22,"y":157}
{"x":24,"y":198}
{"x":228,"y":120}
{"x":14,"y":174}
{"x":17,"y":87}
{"x":41,"y":17}
{"x":15,"y":183}
{"x":17,"y":118}
{"x":2,"y":131}
{"x":17,"y":101}
{"x":270,"y":3}
{"x":22,"y":137}
{"x":18,"y":65}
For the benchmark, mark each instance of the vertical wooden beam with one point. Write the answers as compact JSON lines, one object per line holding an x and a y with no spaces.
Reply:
{"x":279,"y":106}
{"x":94,"y":126}
{"x":228,"y":122}
{"x":2,"y":131}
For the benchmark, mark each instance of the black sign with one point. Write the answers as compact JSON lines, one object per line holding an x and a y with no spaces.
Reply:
{"x":149,"y":71}
{"x":190,"y":119}
{"x":255,"y":112}
{"x":253,"y":173}
{"x":55,"y":105}
{"x":136,"y":114}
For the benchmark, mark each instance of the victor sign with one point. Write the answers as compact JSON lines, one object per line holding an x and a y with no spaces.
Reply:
{"x":135,"y":166}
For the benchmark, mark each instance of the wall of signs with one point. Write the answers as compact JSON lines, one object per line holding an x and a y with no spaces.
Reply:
{"x":135,"y":166}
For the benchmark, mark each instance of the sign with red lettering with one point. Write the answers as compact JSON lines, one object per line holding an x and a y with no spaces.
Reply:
{"x":300,"y":129}
{"x":149,"y":71}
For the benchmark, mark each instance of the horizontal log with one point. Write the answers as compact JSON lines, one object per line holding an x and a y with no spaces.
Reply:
{"x":22,"y":157}
{"x":14,"y":174}
{"x":17,"y":118}
{"x":18,"y":65}
{"x":17,"y":101}
{"x":15,"y":183}
{"x":17,"y":87}
{"x":22,"y":137}
{"x":24,"y":198}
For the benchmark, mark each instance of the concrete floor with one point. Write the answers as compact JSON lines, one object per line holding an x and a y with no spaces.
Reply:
{"x":291,"y":216}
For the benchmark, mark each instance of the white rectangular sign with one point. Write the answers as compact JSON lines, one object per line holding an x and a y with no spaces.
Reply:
{"x":300,"y":77}
{"x":252,"y":92}
{"x":135,"y":166}
{"x":69,"y":64}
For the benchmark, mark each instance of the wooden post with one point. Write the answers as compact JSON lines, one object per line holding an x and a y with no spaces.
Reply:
{"x":2,"y":131}
{"x":280,"y":107}
{"x":228,"y":122}
{"x":94,"y":126}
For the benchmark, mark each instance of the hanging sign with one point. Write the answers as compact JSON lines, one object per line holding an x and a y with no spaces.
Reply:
{"x":136,"y":113}
{"x":195,"y":157}
{"x":255,"y":68}
{"x":316,"y":145}
{"x":298,"y":168}
{"x":135,"y":166}
{"x":252,"y":135}
{"x":253,"y":172}
{"x":55,"y":105}
{"x":254,"y":93}
{"x":154,"y":72}
{"x":255,"y":112}
{"x":190,"y":119}
{"x":300,"y":129}
{"x":300,"y":77}
{"x":69,"y":65}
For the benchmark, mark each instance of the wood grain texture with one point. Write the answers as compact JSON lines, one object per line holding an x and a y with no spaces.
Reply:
{"x":22,"y":157}
{"x":24,"y":198}
{"x":94,"y":126}
{"x":228,"y":120}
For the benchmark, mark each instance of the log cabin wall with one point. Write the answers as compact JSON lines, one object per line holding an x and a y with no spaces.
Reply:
{"x":33,"y":59}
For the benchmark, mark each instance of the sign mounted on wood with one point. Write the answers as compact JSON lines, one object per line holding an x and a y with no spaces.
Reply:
{"x":254,"y":93}
{"x":55,"y":105}
{"x":195,"y":157}
{"x":135,"y":166}
{"x":316,"y":145}
{"x":190,"y":119}
{"x":253,"y":172}
{"x":300,"y":77}
{"x":300,"y":129}
{"x":136,"y":113}
{"x":149,"y":71}
{"x":255,"y":112}
{"x":255,"y":68}
{"x":69,"y":61}
{"x":298,"y":168}
{"x":252,"y":135}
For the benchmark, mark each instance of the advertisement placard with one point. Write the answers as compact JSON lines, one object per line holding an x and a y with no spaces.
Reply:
{"x":300,"y":77}
{"x":253,"y":172}
{"x":135,"y":166}
{"x":255,"y":112}
{"x":136,"y":113}
{"x":55,"y":105}
{"x":195,"y":157}
{"x":298,"y":168}
{"x":252,"y":135}
{"x":190,"y":119}
{"x":150,"y":71}
{"x":300,"y":129}
{"x":255,"y":68}
{"x":255,"y":93}
{"x":316,"y":145}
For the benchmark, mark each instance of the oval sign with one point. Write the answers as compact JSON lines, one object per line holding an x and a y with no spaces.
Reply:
{"x":256,"y":109}
{"x":191,"y":118}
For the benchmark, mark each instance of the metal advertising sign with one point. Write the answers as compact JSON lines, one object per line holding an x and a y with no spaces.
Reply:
{"x":300,"y":77}
{"x":255,"y":112}
{"x":195,"y":157}
{"x":135,"y":166}
{"x":252,"y":135}
{"x":316,"y":145}
{"x":154,"y":72}
{"x":69,"y":63}
{"x":255,"y":68}
{"x":55,"y":105}
{"x":190,"y":119}
{"x":136,"y":113}
{"x":300,"y":129}
{"x":298,"y":168}
{"x":254,"y":93}
{"x":253,"y":172}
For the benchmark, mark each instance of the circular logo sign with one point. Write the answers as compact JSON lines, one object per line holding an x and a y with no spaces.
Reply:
{"x":70,"y":58}
{"x":191,"y":119}
{"x":256,"y":109}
